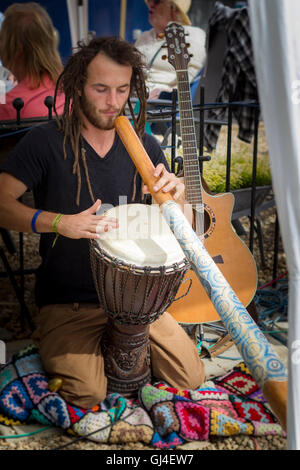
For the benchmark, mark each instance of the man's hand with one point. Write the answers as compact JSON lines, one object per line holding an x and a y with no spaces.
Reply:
{"x":86,"y":224}
{"x":168,"y":182}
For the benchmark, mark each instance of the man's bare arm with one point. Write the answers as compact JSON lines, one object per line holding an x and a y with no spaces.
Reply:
{"x":17,"y":216}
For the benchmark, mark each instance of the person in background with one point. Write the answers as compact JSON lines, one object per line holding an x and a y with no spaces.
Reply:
{"x":28,"y":49}
{"x":161,"y":74}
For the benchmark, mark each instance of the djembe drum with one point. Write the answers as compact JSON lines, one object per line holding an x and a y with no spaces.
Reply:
{"x":137,"y":271}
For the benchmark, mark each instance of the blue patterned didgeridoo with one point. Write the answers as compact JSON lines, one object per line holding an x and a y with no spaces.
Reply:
{"x":265,"y":365}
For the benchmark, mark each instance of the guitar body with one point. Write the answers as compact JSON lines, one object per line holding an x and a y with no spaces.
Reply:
{"x":212,"y":213}
{"x":232,"y":257}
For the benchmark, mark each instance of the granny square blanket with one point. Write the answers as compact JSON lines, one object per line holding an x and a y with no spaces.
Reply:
{"x":161,"y":416}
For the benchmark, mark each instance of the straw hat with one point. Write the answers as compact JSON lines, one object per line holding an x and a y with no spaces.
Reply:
{"x":183,"y":7}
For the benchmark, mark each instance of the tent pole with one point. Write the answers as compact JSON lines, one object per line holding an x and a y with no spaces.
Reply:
{"x":123,"y":18}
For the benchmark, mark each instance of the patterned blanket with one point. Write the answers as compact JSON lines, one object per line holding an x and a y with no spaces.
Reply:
{"x":162,"y":416}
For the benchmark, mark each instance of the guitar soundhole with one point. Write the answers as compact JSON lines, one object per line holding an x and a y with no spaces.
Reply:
{"x":209,"y":221}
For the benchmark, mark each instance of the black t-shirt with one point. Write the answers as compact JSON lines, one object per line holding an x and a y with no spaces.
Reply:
{"x":65,"y":274}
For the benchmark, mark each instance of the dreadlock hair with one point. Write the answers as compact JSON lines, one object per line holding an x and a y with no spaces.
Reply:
{"x":71,"y":82}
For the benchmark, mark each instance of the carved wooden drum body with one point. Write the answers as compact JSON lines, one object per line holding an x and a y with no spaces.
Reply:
{"x":137,"y":270}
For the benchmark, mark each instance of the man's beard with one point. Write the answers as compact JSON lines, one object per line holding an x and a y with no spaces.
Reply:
{"x":97,"y":119}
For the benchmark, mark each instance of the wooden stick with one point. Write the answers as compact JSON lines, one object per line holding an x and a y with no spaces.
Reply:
{"x":140,"y":158}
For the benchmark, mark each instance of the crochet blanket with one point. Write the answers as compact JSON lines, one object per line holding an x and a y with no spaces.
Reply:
{"x":162,"y":416}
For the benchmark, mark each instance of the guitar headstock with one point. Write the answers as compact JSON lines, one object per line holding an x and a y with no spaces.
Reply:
{"x":178,"y":55}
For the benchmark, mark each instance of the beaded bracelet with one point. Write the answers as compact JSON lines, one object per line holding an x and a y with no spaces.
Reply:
{"x":54,"y":227}
{"x":33,"y":221}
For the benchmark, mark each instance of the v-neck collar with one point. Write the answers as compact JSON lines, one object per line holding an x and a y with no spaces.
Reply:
{"x":93,"y":151}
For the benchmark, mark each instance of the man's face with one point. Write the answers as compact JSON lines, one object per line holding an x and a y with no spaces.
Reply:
{"x":105,"y":92}
{"x":160,"y":14}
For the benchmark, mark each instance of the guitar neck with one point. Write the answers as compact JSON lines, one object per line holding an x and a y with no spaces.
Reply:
{"x":189,"y":143}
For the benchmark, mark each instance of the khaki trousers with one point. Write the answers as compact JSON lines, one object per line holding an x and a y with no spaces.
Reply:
{"x":70,"y":348}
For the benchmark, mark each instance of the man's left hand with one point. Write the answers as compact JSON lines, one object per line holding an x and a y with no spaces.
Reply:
{"x":167,"y":182}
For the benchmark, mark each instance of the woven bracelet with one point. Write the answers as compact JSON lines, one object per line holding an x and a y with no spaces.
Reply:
{"x":54,"y":227}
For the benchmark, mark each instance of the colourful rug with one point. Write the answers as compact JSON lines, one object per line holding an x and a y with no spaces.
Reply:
{"x":162,"y":416}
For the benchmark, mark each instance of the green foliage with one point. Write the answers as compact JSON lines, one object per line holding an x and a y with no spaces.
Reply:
{"x":214,"y":171}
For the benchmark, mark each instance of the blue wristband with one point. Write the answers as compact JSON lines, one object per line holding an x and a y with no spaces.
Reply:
{"x":33,"y":221}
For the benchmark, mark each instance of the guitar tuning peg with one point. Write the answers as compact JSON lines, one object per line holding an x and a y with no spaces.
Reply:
{"x":163,"y":57}
{"x":188,"y":45}
{"x":164,"y":45}
{"x":161,"y":35}
{"x":191,"y":55}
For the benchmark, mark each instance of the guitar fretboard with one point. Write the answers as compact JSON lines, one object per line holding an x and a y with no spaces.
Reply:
{"x":189,"y":143}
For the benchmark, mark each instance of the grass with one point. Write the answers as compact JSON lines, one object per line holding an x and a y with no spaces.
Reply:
{"x":214,"y":171}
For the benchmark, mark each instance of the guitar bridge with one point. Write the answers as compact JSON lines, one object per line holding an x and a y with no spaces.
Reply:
{"x":218,"y":259}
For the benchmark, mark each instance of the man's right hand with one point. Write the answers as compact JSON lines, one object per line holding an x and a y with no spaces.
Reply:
{"x":15,"y":215}
{"x":86,"y":224}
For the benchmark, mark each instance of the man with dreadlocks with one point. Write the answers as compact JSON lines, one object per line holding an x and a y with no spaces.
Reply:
{"x":72,"y":164}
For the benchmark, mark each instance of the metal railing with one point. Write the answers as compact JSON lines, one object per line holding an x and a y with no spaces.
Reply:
{"x":166,"y":112}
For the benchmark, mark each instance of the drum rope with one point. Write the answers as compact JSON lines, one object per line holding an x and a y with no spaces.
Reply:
{"x":148,"y":292}
{"x":164,"y":288}
{"x":114,"y":291}
{"x":135,"y":290}
{"x":122,"y":285}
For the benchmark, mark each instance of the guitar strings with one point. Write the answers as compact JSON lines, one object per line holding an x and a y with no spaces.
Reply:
{"x":189,"y":145}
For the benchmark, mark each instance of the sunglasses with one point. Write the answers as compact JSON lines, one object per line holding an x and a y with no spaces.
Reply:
{"x":156,"y":2}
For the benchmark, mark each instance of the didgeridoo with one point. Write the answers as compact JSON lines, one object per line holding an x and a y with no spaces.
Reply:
{"x":263,"y":362}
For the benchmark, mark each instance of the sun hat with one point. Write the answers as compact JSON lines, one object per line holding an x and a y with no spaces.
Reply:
{"x":183,"y":7}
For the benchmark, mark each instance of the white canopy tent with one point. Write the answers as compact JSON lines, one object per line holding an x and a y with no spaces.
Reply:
{"x":275,"y":28}
{"x":78,"y":20}
{"x":78,"y":13}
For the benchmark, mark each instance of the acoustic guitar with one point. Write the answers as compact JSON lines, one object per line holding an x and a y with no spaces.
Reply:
{"x":212,"y":214}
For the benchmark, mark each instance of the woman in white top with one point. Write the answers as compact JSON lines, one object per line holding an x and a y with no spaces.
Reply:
{"x":161,"y":74}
